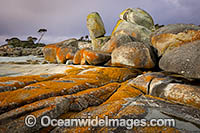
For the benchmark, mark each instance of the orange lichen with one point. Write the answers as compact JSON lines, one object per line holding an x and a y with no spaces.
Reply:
{"x":21,"y":81}
{"x":69,"y":56}
{"x":101,"y":92}
{"x":184,"y":94}
{"x":78,"y":56}
{"x":156,"y":129}
{"x":131,"y":110}
{"x":61,"y":54}
{"x":125,"y":91}
{"x":134,"y":35}
{"x":168,"y":41}
{"x":141,"y":82}
{"x":50,"y":52}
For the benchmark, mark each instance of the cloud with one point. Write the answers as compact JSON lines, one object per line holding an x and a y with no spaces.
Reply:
{"x":68,"y":17}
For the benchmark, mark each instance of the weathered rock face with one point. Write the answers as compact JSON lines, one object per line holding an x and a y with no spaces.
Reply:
{"x":138,"y":16}
{"x":96,"y":57}
{"x":134,"y":54}
{"x":63,"y":51}
{"x":84,"y":91}
{"x":78,"y":57}
{"x":66,"y":52}
{"x":140,"y":33}
{"x":87,"y":56}
{"x":98,"y":43}
{"x":95,"y":25}
{"x":49,"y":52}
{"x":174,"y":35}
{"x":20,"y":51}
{"x":118,"y":38}
{"x":168,"y":87}
{"x":183,"y":60}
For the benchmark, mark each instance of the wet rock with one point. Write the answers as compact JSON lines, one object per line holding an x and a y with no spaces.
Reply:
{"x":95,"y":25}
{"x":134,"y":54}
{"x":174,"y":35}
{"x":138,"y":16}
{"x":183,"y":60}
{"x":96,"y":57}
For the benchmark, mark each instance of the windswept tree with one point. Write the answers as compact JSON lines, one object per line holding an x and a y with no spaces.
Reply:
{"x":41,"y":32}
{"x":34,"y":39}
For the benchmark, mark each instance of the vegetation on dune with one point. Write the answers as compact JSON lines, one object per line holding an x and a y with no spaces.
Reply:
{"x":29,"y":43}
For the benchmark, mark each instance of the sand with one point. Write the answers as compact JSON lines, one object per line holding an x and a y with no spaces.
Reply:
{"x":29,"y":69}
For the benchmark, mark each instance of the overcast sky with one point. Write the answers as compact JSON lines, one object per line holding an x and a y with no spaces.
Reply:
{"x":67,"y":18}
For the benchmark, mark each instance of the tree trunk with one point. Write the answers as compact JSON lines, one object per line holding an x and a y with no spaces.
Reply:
{"x":40,"y":37}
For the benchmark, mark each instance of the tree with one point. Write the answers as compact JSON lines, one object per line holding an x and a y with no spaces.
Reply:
{"x":34,"y":39}
{"x":42,"y":32}
{"x":7,"y":40}
{"x":31,"y":39}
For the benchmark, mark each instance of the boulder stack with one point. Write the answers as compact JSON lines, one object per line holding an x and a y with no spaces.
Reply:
{"x":96,"y":29}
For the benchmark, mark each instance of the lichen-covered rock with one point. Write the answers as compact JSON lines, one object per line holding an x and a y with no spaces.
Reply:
{"x":69,"y":84}
{"x":14,"y":83}
{"x":78,"y":57}
{"x":176,"y":92}
{"x":118,"y":38}
{"x":63,"y":52}
{"x":142,"y":82}
{"x":138,"y":16}
{"x":95,"y":25}
{"x":134,"y":54}
{"x":98,"y":43}
{"x":85,"y":44}
{"x":174,"y":35}
{"x":183,"y":60}
{"x":51,"y":53}
{"x":55,"y":106}
{"x":96,"y":57}
{"x":168,"y":87}
{"x":140,"y":33}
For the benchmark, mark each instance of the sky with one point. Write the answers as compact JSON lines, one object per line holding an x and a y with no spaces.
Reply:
{"x":65,"y":19}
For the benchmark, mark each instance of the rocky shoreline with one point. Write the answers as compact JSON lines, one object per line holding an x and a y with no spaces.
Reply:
{"x":20,"y":51}
{"x":139,"y":72}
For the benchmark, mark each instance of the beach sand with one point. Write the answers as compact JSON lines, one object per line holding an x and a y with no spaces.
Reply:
{"x":29,"y":69}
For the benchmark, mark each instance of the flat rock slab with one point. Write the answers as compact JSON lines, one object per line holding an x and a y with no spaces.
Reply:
{"x":20,"y":70}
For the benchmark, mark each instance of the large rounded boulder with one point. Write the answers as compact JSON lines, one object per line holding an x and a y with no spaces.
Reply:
{"x":140,"y":33}
{"x":174,"y":35}
{"x":95,"y":25}
{"x":138,"y":16}
{"x":134,"y":54}
{"x":119,"y":38}
{"x":183,"y":60}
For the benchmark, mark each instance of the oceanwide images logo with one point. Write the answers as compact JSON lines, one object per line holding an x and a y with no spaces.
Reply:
{"x":46,"y":121}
